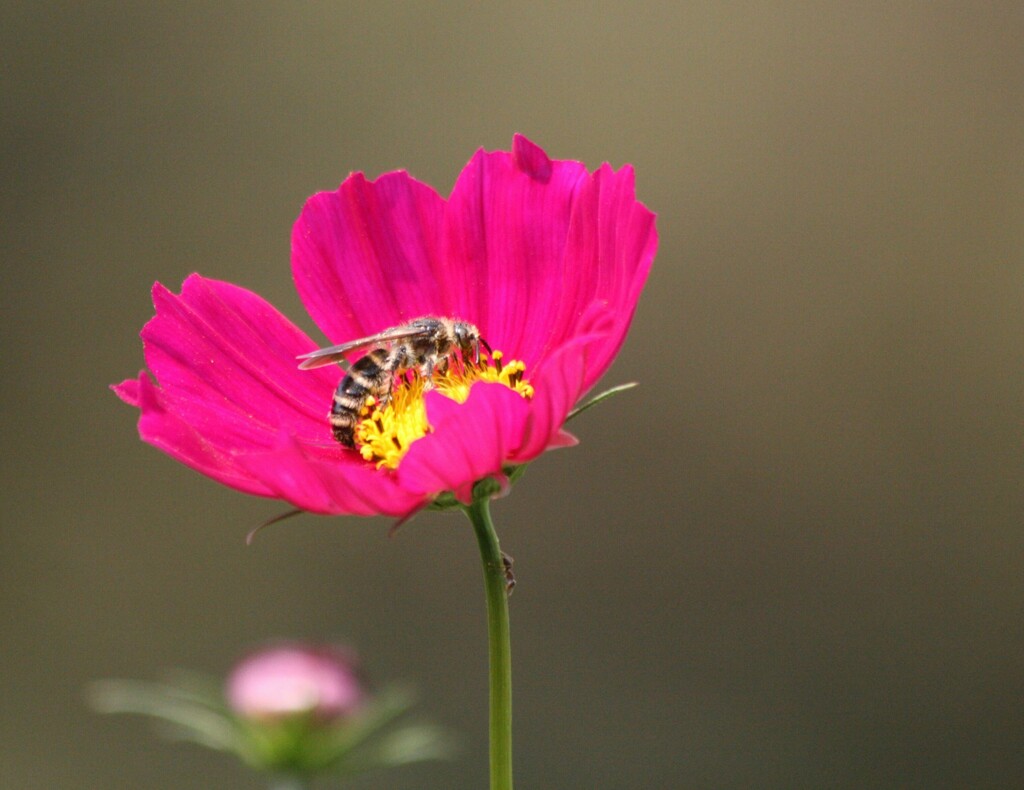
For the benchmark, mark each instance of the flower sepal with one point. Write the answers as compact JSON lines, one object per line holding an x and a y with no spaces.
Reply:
{"x":488,"y":488}
{"x":608,"y":393}
{"x":514,"y":471}
{"x":446,"y":500}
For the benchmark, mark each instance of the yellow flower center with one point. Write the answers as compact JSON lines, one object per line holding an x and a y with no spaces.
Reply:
{"x":385,"y":431}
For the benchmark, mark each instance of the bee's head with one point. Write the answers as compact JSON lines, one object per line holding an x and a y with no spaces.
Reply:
{"x":468,"y":339}
{"x":466,"y":335}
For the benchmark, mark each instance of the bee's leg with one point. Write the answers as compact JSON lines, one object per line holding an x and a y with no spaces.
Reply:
{"x":393,"y":377}
{"x":427,"y":371}
{"x":390,"y":370}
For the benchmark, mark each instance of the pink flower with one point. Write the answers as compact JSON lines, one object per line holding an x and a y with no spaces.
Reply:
{"x":546,"y":258}
{"x":295,"y":680}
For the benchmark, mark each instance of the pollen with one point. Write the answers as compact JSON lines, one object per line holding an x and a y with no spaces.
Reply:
{"x":385,"y":430}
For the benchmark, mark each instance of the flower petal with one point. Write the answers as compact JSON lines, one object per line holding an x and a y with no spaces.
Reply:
{"x":559,"y":383}
{"x":225,"y":360}
{"x":531,"y":158}
{"x":505,"y":229}
{"x":365,"y":257}
{"x":469,"y":441}
{"x":611,"y":246}
{"x":342,"y":485}
{"x":129,"y":390}
{"x":166,"y":430}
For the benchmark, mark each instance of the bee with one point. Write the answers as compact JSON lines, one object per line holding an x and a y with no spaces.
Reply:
{"x":425,"y":344}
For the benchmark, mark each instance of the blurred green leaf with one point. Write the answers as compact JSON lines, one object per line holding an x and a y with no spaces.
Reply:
{"x":192,"y":716}
{"x":192,"y":709}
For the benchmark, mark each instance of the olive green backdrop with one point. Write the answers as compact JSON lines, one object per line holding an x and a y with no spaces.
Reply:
{"x":793,"y":558}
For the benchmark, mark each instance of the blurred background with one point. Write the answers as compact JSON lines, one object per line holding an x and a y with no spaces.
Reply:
{"x":793,"y":558}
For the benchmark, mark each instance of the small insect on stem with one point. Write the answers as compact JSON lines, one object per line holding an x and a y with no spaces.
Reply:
{"x":426,"y":344}
{"x":510,"y":576}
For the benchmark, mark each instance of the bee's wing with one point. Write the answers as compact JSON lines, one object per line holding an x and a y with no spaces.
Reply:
{"x":332,"y":354}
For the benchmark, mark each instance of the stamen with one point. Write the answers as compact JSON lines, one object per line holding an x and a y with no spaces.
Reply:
{"x":386,"y":428}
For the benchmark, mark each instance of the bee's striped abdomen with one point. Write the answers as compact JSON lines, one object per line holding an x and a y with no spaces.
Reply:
{"x":369,"y":375}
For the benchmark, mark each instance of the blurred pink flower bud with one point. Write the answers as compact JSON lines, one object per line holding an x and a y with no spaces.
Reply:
{"x":293,"y":680}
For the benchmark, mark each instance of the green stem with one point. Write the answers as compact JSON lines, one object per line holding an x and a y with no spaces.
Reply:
{"x":498,"y":640}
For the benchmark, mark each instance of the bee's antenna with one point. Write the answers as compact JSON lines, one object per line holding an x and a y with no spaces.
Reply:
{"x":484,"y":343}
